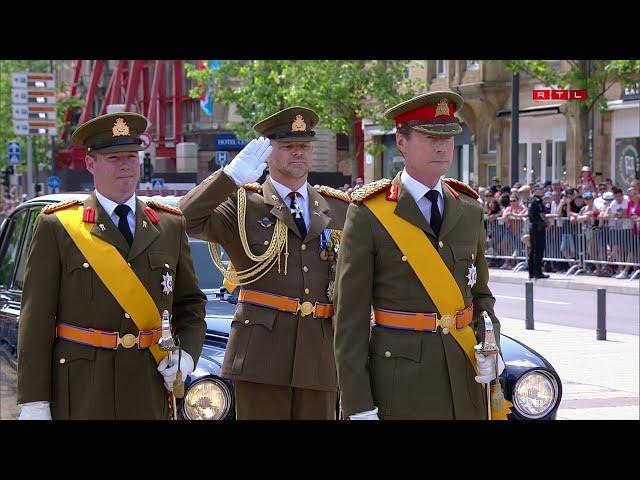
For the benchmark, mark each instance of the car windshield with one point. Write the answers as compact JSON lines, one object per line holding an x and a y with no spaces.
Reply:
{"x":208,"y":275}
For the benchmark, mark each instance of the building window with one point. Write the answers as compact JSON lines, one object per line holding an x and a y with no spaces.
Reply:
{"x":473,"y":64}
{"x":196,"y":111}
{"x":342,"y":141}
{"x":560,"y":172}
{"x":627,"y":161}
{"x":392,"y":159}
{"x":491,"y":141}
{"x":440,"y":68}
{"x":522,"y":163}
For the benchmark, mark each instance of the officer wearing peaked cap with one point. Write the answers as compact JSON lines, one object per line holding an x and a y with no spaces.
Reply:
{"x":413,"y":250}
{"x":98,"y":276}
{"x":282,"y":238}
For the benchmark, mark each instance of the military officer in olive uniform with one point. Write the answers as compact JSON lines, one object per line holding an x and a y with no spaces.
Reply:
{"x":537,"y":224}
{"x":282,"y":238}
{"x":81,"y":353}
{"x":412,"y":364}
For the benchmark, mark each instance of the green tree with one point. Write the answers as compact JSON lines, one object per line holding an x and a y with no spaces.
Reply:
{"x":340,"y":91}
{"x":594,"y":76}
{"x":41,"y":145}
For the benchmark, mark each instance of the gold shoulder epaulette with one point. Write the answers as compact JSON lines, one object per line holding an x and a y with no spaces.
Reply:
{"x":370,"y":189}
{"x":254,"y":187}
{"x":163,"y":206}
{"x":461,"y":187}
{"x":54,"y":207}
{"x":334,"y":193}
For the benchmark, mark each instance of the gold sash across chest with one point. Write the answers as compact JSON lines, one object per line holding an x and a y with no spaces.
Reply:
{"x":114,"y":272}
{"x":427,"y":264}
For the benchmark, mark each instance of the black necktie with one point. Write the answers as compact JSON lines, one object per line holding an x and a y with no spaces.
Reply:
{"x":298,"y":218}
{"x":123,"y":225}
{"x":436,"y":218}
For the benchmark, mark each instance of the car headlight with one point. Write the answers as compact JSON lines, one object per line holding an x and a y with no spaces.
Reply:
{"x":535,"y":394}
{"x":207,"y":399}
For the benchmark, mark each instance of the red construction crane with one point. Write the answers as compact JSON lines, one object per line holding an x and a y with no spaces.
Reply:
{"x":130,"y":84}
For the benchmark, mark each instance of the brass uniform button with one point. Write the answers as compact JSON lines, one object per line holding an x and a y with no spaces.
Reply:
{"x":62,"y":360}
{"x":306,"y":291}
{"x":126,"y":315}
{"x":266,"y":242}
{"x":387,"y":354}
{"x":85,"y":265}
{"x":404,"y":258}
{"x":441,"y":244}
{"x":305,"y":269}
{"x":246,"y":322}
{"x":303,"y":247}
{"x":167,"y":265}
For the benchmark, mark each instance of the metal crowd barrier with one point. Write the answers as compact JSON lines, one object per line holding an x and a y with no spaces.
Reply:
{"x":579,"y":244}
{"x":504,"y":240}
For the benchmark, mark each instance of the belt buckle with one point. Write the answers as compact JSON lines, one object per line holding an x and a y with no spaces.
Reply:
{"x":128,"y":340}
{"x":446,"y":322}
{"x":306,"y":308}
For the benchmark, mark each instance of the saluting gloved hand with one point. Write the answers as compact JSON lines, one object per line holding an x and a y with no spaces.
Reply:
{"x":249,"y":164}
{"x":169,"y":373}
{"x":487,"y":367}
{"x":35,"y":411}
{"x":369,"y":415}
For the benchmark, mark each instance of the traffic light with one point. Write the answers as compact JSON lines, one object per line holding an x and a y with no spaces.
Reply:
{"x":147,"y":169}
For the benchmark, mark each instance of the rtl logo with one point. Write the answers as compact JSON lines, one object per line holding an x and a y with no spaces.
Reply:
{"x":567,"y":94}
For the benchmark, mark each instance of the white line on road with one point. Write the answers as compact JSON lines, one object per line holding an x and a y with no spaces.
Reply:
{"x":539,"y":301}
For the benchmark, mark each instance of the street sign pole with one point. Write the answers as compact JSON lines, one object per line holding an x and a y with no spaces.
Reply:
{"x":30,"y":189}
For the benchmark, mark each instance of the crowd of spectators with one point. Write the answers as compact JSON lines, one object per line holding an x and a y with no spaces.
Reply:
{"x":606,"y":217}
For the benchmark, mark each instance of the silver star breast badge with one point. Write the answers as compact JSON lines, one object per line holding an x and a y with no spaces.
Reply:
{"x":167,"y":283}
{"x":472,"y":275}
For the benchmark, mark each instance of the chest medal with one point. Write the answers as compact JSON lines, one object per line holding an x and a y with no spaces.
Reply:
{"x":167,"y":284}
{"x":472,"y":276}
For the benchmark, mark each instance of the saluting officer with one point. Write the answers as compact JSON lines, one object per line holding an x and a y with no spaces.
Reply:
{"x":413,"y":250}
{"x":98,"y":277}
{"x":282,"y":238}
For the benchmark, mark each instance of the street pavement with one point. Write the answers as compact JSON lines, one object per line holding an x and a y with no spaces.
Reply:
{"x":9,"y":410}
{"x":573,"y":282}
{"x":600,"y":378}
{"x":573,"y":308}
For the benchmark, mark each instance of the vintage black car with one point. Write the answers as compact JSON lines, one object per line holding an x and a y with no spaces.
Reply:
{"x":529,"y":381}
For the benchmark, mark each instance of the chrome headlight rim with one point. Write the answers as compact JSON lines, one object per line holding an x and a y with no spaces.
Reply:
{"x":552,"y":405}
{"x":221,"y":384}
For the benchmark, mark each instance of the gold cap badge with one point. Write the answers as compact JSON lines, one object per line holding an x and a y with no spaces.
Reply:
{"x":443,"y":108}
{"x":120,"y":128}
{"x":298,"y":124}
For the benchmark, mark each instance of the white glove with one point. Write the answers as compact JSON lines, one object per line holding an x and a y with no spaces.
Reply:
{"x":369,"y":415}
{"x":486,"y":365}
{"x":249,"y":164}
{"x":35,"y":411}
{"x":169,"y":373}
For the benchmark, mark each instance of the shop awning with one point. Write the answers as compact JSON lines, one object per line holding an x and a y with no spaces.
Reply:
{"x":534,"y":111}
{"x":622,"y":104}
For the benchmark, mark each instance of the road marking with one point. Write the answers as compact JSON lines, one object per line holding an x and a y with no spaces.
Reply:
{"x":539,"y":301}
